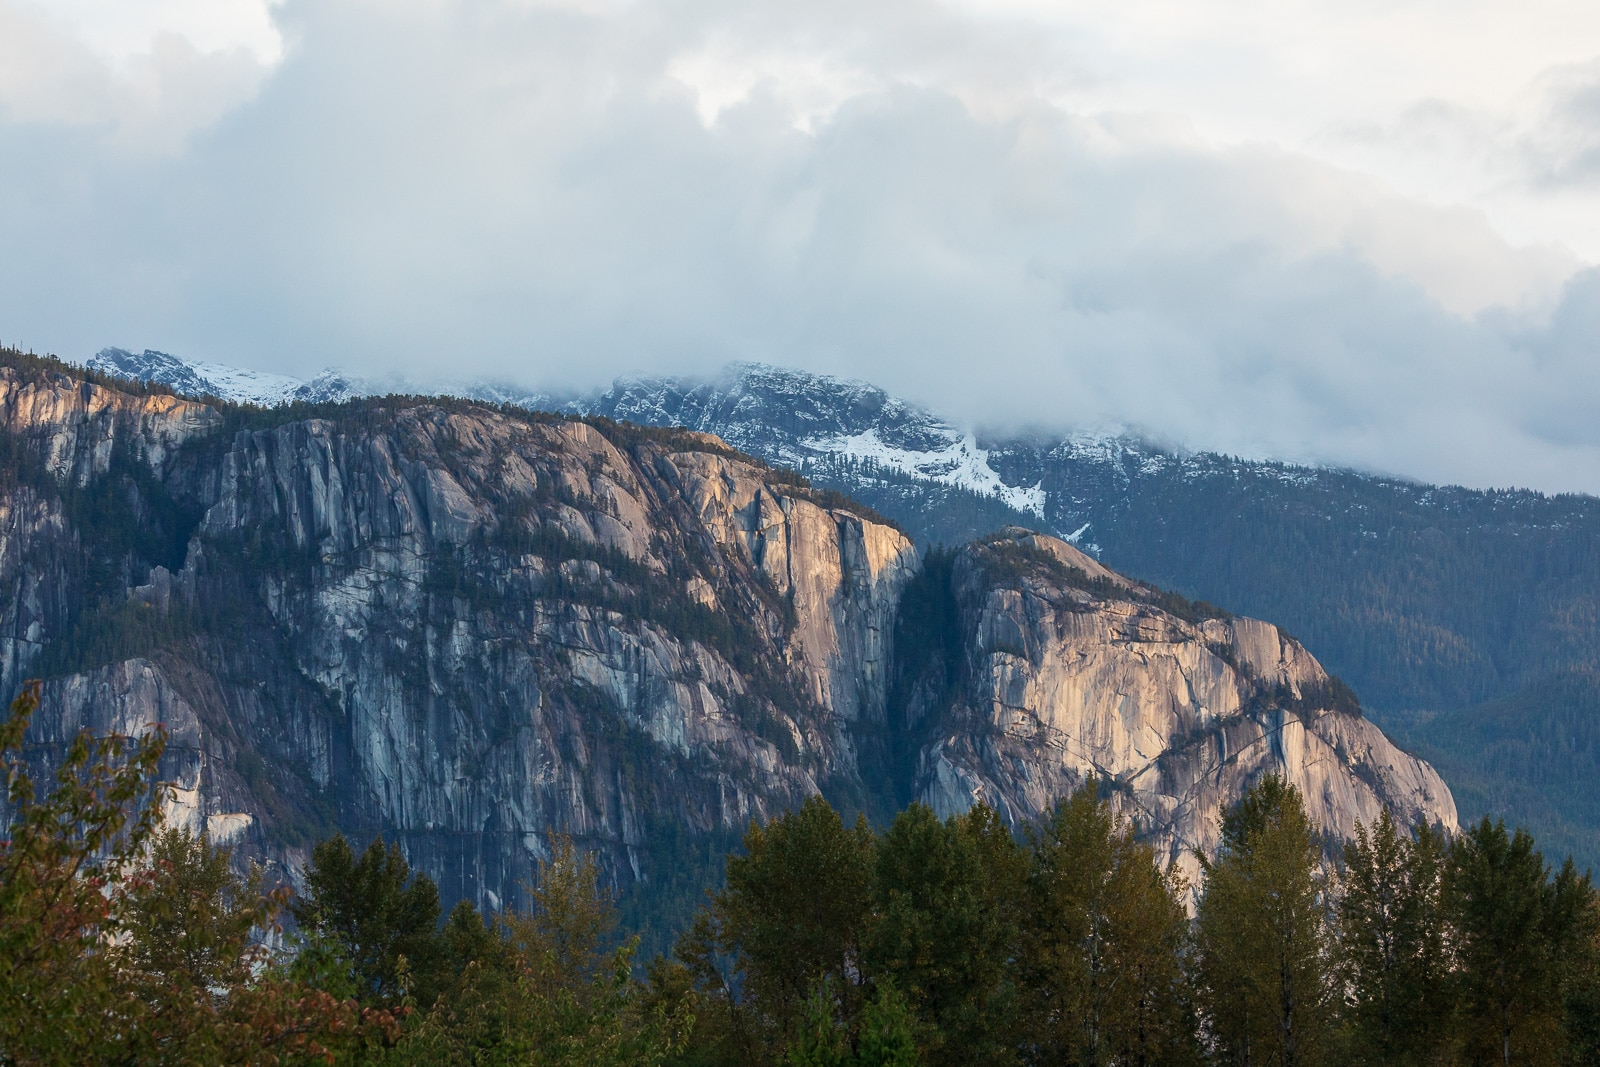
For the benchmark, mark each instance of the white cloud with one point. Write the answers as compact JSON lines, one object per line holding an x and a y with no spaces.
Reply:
{"x":1005,"y":214}
{"x":140,"y":100}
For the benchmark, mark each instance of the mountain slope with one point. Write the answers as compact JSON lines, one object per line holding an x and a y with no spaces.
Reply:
{"x":468,"y":628}
{"x":1430,"y":600}
{"x":1070,"y":670}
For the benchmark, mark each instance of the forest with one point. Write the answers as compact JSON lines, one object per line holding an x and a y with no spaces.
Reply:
{"x":925,"y":941}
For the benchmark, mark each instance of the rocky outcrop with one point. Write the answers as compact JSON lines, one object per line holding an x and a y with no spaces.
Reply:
{"x":1073,"y":671}
{"x":458,"y":627}
{"x":468,"y":628}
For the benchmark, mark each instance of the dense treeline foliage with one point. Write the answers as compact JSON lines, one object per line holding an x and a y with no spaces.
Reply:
{"x":933,"y":941}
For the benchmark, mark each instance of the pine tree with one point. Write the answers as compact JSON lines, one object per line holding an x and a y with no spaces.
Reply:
{"x":1393,"y":946}
{"x":944,"y":928}
{"x":886,"y":1031}
{"x":1101,"y":948}
{"x":1507,"y":927}
{"x":1261,"y":929}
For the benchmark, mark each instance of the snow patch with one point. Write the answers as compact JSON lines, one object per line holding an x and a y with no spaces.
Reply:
{"x":961,"y":463}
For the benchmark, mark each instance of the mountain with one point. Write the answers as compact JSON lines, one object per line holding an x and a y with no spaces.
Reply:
{"x":225,"y":383}
{"x":1438,"y":604}
{"x":468,"y":628}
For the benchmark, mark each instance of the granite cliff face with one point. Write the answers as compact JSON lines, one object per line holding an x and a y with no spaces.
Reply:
{"x":1071,"y":670}
{"x":468,"y":627}
{"x":460,"y":627}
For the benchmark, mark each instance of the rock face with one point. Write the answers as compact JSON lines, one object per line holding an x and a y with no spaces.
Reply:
{"x":1073,"y":671}
{"x":467,"y":628}
{"x":453,"y":626}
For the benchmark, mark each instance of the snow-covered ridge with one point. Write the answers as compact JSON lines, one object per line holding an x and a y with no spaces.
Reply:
{"x":234,"y":384}
{"x":786,"y":416}
{"x":962,"y":463}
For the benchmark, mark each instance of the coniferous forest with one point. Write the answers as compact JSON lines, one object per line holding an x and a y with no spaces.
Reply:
{"x":926,"y":941}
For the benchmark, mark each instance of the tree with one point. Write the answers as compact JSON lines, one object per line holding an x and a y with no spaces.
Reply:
{"x":1102,"y":945}
{"x":887,"y":1024}
{"x":1261,"y":931}
{"x":884,"y":1039}
{"x":124,"y":942}
{"x":60,"y":1001}
{"x":1394,"y":947}
{"x":945,"y":903}
{"x":371,"y":918}
{"x":794,"y":912}
{"x":1578,"y":964}
{"x":552,"y":988}
{"x":1509,"y":921}
{"x":200,"y":983}
{"x":819,"y":1039}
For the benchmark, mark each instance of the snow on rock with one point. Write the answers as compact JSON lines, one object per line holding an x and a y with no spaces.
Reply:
{"x":236,"y":384}
{"x":961,"y":463}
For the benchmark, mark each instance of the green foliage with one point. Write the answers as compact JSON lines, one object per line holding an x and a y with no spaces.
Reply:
{"x":1527,"y":756}
{"x":820,"y":1040}
{"x":372,"y":914}
{"x":58,"y":993}
{"x":122,"y":942}
{"x":1511,"y":921}
{"x":945,"y":925}
{"x":1100,"y":954}
{"x":885,"y":1038}
{"x":549,"y":986}
{"x":939,"y":942}
{"x":887,"y":1030}
{"x":1262,"y":934}
{"x":793,"y":914}
{"x":1393,"y":949}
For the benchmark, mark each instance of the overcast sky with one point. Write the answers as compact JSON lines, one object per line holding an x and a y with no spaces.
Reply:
{"x":1350,"y":231}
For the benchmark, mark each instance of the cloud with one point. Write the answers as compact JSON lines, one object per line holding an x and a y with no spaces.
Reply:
{"x":1563,"y":147}
{"x":904,"y":192}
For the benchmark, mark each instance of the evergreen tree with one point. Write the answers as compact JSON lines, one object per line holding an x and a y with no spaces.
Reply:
{"x":885,"y":1037}
{"x":372,"y":916}
{"x":1509,"y":924}
{"x":886,"y":1031}
{"x":1577,"y":906}
{"x":794,"y":912}
{"x":1393,"y":946}
{"x":945,"y":899}
{"x":552,"y":987}
{"x":1261,"y":931}
{"x":1101,"y":947}
{"x":819,"y":1040}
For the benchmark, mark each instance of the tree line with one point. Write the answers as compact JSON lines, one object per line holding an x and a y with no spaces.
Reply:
{"x":931,"y":941}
